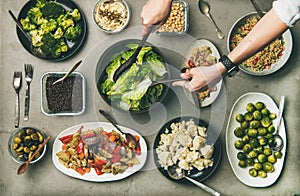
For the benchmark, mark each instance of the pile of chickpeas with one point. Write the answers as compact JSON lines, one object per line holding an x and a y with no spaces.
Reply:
{"x":176,"y":20}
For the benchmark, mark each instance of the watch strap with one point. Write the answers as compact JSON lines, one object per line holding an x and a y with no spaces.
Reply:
{"x":229,"y":65}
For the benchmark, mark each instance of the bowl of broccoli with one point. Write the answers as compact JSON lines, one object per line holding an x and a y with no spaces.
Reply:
{"x":58,"y":27}
{"x":131,"y":92}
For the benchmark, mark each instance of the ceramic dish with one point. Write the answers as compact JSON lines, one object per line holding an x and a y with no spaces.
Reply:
{"x":105,"y":60}
{"x":92,"y":176}
{"x":287,"y":38}
{"x":242,"y":173}
{"x":185,"y":20}
{"x":214,"y":94}
{"x":72,"y":45}
{"x":194,"y":173}
{"x":78,"y":101}
{"x":98,"y":17}
{"x":20,"y":133}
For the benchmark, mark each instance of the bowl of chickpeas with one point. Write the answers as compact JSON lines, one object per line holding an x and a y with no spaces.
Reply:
{"x":23,"y":142}
{"x":177,"y":22}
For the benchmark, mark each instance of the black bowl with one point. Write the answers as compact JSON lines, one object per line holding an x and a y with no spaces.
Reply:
{"x":73,"y":46}
{"x":194,"y":173}
{"x":106,"y":59}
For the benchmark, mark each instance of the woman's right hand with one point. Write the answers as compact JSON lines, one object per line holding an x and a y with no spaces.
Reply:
{"x":155,"y":13}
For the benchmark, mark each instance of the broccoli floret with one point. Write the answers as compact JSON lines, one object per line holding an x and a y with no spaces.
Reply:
{"x":75,"y":15}
{"x":40,"y":3}
{"x":58,"y":33}
{"x":36,"y":37}
{"x":49,"y":26}
{"x":59,"y":48}
{"x":35,"y":15}
{"x":73,"y":33}
{"x":56,"y":53}
{"x":52,"y":10}
{"x":48,"y":43}
{"x":27,"y":25}
{"x":67,"y":23}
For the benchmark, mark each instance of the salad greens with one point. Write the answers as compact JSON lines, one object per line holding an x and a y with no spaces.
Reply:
{"x":132,"y":89}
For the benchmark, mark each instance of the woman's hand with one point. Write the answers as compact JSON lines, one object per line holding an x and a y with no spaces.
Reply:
{"x":201,"y":77}
{"x":155,"y":12}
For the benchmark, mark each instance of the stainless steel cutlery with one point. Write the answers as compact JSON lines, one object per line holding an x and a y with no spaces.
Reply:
{"x":17,"y":83}
{"x":28,"y":79}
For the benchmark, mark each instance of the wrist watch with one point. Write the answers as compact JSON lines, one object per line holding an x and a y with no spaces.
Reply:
{"x":231,"y":68}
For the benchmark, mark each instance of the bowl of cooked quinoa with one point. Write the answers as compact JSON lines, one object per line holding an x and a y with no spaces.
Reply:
{"x":269,"y":59}
{"x":111,"y":16}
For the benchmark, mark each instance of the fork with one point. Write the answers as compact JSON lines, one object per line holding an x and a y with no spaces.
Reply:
{"x":28,"y":79}
{"x":17,"y":82}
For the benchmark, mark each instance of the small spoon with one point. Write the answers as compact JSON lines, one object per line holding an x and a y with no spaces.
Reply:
{"x":129,"y":137}
{"x":133,"y":57}
{"x":278,"y":141}
{"x":35,"y":51}
{"x":177,"y":173}
{"x":204,"y":8}
{"x":23,"y":168}
{"x":69,"y":72}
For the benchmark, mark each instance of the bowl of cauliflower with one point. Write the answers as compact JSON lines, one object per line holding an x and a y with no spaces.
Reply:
{"x":188,"y":143}
{"x":57,"y":28}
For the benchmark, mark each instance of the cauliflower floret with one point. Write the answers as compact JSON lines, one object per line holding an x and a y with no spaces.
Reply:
{"x":207,"y":151}
{"x":198,"y":141}
{"x":36,"y":37}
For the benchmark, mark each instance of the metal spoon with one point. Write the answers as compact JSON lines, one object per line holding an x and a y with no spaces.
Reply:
{"x":23,"y":168}
{"x":177,"y":173}
{"x":129,"y":137}
{"x":278,"y":141}
{"x":133,"y":57}
{"x":68,"y":73}
{"x":204,"y":8}
{"x":257,"y":8}
{"x":35,"y":51}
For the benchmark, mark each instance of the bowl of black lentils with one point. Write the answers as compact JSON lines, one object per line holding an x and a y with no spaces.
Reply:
{"x":63,"y":98}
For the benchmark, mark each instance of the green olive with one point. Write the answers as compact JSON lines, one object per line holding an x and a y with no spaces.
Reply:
{"x":262,"y":158}
{"x":242,"y":163}
{"x":268,"y":167}
{"x":33,"y":148}
{"x":260,"y":149}
{"x":255,"y":124}
{"x":257,"y":166}
{"x":272,"y":159}
{"x":34,"y":136}
{"x":259,"y":105}
{"x":266,"y":122}
{"x":262,"y":174}
{"x":26,"y":149}
{"x":29,"y":131}
{"x":250,"y":162}
{"x":272,"y":116}
{"x":263,"y":141}
{"x":41,"y":138}
{"x":245,"y":139}
{"x":239,"y":132}
{"x":240,"y":118}
{"x":252,"y":172}
{"x":253,"y":154}
{"x":271,"y":129}
{"x":254,"y":142}
{"x":247,"y":148}
{"x":252,"y":133}
{"x":241,"y":156}
{"x":248,"y":116}
{"x":27,"y":138}
{"x":267,"y":151}
{"x":15,"y":146}
{"x":245,"y":124}
{"x":257,"y":115}
{"x":17,"y":140}
{"x":250,"y":107}
{"x":238,"y":144}
{"x":278,"y":154}
{"x":271,"y":142}
{"x":20,"y":149}
{"x":262,"y":131}
{"x":265,"y":112}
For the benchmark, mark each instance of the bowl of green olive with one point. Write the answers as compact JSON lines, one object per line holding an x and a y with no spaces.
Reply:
{"x":23,"y":142}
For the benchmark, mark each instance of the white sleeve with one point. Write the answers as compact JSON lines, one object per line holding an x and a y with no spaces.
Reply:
{"x":287,"y":10}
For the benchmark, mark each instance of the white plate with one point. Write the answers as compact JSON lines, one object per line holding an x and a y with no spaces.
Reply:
{"x":92,"y":176}
{"x":197,"y":44}
{"x":287,"y":38}
{"x":242,"y":173}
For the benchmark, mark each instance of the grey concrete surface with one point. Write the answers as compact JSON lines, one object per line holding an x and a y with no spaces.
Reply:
{"x":44,"y":179}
